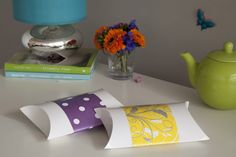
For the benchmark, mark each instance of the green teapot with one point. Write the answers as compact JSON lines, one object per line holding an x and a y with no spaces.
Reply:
{"x":214,"y":77}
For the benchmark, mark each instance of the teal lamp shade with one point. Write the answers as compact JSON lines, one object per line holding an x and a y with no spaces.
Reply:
{"x":49,"y":12}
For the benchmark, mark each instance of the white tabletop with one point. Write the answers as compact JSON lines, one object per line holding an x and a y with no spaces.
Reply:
{"x":20,"y":138}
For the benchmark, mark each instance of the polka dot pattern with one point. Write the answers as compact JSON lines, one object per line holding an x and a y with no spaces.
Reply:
{"x":80,"y":111}
{"x":86,"y":99}
{"x":76,"y":121}
{"x":65,"y":104}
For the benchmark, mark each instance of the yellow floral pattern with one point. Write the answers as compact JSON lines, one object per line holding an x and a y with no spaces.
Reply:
{"x":151,"y":124}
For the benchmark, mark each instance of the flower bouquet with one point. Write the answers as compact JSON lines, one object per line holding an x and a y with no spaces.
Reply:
{"x":118,"y":42}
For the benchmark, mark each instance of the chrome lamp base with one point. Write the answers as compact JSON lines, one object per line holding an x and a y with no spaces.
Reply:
{"x":51,"y":44}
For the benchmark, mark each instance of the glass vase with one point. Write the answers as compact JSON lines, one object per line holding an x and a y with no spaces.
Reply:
{"x":121,"y":65}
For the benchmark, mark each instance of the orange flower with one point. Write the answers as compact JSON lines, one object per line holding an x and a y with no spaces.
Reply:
{"x":113,"y":41}
{"x":98,"y":37}
{"x":138,"y":37}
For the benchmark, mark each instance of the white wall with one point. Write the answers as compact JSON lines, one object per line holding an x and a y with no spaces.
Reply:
{"x":169,"y":27}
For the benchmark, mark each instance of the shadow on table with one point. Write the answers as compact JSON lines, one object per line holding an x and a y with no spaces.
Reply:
{"x":97,"y":137}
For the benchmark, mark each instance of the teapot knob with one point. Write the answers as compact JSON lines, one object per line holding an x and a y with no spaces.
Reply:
{"x":228,"y":47}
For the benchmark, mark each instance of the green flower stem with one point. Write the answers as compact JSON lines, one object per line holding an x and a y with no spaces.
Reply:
{"x":124,"y":67}
{"x":121,"y":62}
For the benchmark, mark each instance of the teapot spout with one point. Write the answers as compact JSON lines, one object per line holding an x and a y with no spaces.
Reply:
{"x":191,"y":66}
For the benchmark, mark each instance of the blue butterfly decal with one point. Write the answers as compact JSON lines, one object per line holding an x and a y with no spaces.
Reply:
{"x":202,"y":21}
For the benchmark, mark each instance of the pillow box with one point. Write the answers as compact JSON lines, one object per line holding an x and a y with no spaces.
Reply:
{"x":69,"y":115}
{"x":150,"y":125}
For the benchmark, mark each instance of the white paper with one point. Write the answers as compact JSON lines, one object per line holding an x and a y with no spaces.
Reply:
{"x":119,"y":130}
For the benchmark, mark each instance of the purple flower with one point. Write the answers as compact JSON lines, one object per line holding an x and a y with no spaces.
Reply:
{"x":132,"y":25}
{"x":119,"y":26}
{"x":128,"y":41}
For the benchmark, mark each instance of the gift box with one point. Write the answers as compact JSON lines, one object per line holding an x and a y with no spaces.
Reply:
{"x":146,"y":125}
{"x":69,"y":115}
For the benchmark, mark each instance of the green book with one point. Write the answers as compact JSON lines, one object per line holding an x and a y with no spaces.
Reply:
{"x":81,"y":62}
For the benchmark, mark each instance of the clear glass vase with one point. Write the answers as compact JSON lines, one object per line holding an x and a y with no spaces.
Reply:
{"x":121,"y":65}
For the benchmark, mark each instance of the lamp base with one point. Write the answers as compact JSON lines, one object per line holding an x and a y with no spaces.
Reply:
{"x":52,"y":43}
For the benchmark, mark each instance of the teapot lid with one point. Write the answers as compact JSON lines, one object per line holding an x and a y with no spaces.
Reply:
{"x":226,"y":55}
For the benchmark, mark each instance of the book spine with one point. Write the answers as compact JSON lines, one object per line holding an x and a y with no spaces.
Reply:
{"x":47,"y":75}
{"x":47,"y":68}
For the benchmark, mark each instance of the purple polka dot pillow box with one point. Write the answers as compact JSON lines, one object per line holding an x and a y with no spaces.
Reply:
{"x":69,"y":115}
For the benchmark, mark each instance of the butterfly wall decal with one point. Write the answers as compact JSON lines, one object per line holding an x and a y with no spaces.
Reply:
{"x":202,"y":21}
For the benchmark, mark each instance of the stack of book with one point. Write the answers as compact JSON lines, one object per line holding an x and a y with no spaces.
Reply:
{"x":78,"y":66}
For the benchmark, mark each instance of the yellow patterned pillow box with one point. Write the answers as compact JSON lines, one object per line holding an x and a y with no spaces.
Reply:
{"x":150,"y":125}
